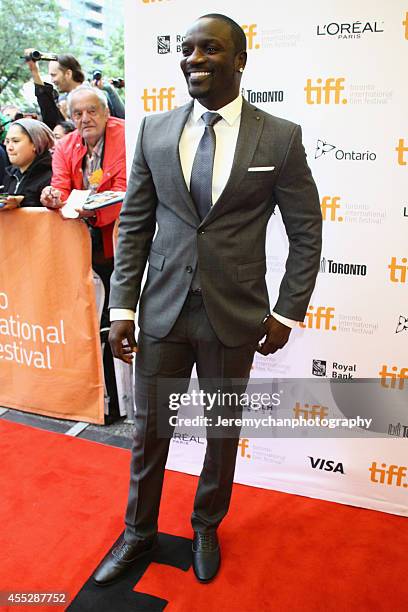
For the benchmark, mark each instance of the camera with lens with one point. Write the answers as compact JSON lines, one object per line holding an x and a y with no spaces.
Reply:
{"x":119,"y":83}
{"x":36,"y":56}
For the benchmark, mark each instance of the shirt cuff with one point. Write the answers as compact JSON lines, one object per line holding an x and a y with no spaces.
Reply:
{"x":121,"y":314}
{"x":288,"y":322}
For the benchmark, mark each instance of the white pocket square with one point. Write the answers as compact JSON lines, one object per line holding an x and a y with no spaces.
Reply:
{"x":262,"y":169}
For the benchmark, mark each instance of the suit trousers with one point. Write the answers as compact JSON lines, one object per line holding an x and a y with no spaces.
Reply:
{"x":192,"y":340}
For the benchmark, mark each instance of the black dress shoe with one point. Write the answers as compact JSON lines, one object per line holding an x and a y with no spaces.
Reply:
{"x":120,"y":558}
{"x":206,"y":555}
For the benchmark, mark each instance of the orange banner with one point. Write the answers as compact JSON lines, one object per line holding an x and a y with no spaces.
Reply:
{"x":50,"y":353}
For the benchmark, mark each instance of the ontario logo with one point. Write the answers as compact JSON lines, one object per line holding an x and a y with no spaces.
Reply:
{"x":402,"y":324}
{"x":323,"y":148}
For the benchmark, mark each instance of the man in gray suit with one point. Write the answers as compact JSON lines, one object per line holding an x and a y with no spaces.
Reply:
{"x":205,"y":180}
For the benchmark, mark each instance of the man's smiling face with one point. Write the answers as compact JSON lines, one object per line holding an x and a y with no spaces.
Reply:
{"x":211,"y":63}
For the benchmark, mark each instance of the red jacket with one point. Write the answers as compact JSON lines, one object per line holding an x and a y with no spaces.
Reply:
{"x":67,"y":173}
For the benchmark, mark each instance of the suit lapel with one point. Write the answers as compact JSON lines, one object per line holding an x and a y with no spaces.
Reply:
{"x":175,"y":131}
{"x":249,"y":133}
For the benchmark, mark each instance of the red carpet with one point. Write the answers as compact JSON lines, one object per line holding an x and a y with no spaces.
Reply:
{"x":62,"y":506}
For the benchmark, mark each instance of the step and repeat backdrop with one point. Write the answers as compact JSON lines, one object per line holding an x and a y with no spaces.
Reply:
{"x":338,"y":70}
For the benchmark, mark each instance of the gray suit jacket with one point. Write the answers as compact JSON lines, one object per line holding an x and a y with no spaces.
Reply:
{"x":228,"y":246}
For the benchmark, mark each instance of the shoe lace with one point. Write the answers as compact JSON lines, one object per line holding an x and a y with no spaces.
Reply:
{"x":207,"y":541}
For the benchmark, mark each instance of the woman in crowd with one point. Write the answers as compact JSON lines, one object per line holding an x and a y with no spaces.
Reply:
{"x":28,"y":143}
{"x":63,"y":128}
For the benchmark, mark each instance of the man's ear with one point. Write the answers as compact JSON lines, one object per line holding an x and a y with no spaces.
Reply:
{"x":241,"y":60}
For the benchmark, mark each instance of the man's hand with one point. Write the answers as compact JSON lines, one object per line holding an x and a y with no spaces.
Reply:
{"x":51,"y":197}
{"x":33,"y":67}
{"x":122,"y":340}
{"x":86,"y":214}
{"x":12,"y":202}
{"x":277,"y":335}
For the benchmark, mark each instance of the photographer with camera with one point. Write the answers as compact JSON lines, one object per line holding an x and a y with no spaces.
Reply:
{"x":116,"y":106}
{"x":66,"y":74}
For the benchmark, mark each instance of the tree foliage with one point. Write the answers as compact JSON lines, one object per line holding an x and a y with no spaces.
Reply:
{"x":23,"y":25}
{"x":114,"y":60}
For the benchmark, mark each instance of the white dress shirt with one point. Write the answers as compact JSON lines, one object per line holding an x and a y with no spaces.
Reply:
{"x":226,"y":131}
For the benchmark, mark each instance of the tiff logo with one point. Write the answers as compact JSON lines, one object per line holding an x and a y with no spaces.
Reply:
{"x":158,"y":101}
{"x":398,"y":271}
{"x":401,"y":150}
{"x":251,"y":34}
{"x":330,"y":205}
{"x":405,"y":24}
{"x":314,"y":412}
{"x":331,"y":89}
{"x":392,"y":375}
{"x":393,"y":476}
{"x":319,"y":319}
{"x":244,"y":445}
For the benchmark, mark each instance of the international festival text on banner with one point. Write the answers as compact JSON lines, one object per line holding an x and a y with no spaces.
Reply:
{"x":50,"y":356}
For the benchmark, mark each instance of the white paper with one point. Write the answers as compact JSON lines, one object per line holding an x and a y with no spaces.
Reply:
{"x":76,"y":199}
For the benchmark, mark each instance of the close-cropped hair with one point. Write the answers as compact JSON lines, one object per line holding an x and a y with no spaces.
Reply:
{"x":40,"y":134}
{"x":238,"y":34}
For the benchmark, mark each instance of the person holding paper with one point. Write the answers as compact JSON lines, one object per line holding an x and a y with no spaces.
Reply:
{"x":91,"y":158}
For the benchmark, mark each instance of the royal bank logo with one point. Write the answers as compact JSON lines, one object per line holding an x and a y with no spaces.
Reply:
{"x":320,"y":318}
{"x":329,"y":266}
{"x":328,"y":91}
{"x":262,"y":97}
{"x":402,"y":324}
{"x":354,"y":29}
{"x":323,"y":148}
{"x":163,"y":44}
{"x":398,"y":430}
{"x":251,"y":35}
{"x":330,"y":207}
{"x":328,"y":465}
{"x":402,"y":150}
{"x":393,"y":475}
{"x":158,"y":99}
{"x":344,"y":371}
{"x":393,"y":377}
{"x":398,"y":270}
{"x":405,"y":24}
{"x":319,"y":367}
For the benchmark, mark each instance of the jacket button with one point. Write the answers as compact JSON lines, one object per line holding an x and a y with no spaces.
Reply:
{"x":189,"y":269}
